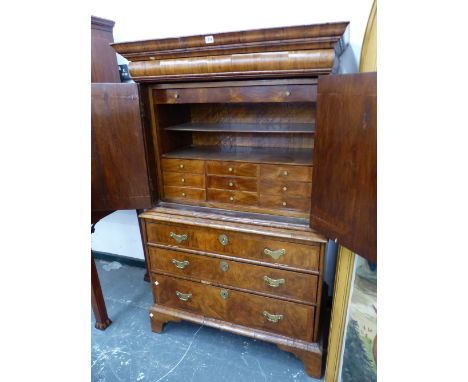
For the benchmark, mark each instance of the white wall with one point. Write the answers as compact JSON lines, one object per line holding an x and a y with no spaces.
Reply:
{"x":141,"y":20}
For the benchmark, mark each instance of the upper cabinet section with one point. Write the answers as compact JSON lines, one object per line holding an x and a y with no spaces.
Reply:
{"x":299,"y":51}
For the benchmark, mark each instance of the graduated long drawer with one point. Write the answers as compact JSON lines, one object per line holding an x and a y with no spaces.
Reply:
{"x":278,"y":282}
{"x":283,"y":317}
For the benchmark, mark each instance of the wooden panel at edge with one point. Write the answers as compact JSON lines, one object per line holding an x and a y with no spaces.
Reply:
{"x":119,"y":177}
{"x":344,"y":194}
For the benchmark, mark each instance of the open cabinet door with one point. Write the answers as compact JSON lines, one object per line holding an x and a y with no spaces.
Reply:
{"x":344,"y":191}
{"x":119,"y":174}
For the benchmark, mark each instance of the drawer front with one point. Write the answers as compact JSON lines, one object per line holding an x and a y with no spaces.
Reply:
{"x":297,"y":320}
{"x":184,"y":179}
{"x":184,"y":193}
{"x":276,"y":93}
{"x":285,"y":188}
{"x":238,"y":244}
{"x":231,"y":183}
{"x":232,"y":273}
{"x":231,"y":168}
{"x":285,"y":202}
{"x":295,"y":173}
{"x":183,"y":165}
{"x":233,"y":197}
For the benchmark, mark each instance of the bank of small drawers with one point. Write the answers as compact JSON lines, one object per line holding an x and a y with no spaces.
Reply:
{"x":238,"y":184}
{"x":250,"y":279}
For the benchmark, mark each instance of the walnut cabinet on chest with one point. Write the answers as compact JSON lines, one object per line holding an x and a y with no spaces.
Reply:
{"x":229,"y":124}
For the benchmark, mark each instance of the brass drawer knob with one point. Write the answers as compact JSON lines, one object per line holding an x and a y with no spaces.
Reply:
{"x":284,"y":204}
{"x":224,"y":266}
{"x":274,"y":283}
{"x":288,"y":93}
{"x":231,"y":184}
{"x":223,"y":239}
{"x":272,"y":317}
{"x":178,"y":238}
{"x":184,"y":194}
{"x":180,"y":264}
{"x":285,"y":188}
{"x":231,"y":198}
{"x":176,"y":95}
{"x":183,"y":296}
{"x":285,"y":173}
{"x":183,"y":180}
{"x":181,"y":166}
{"x":274,"y":254}
{"x":230,"y":169}
{"x":224,"y":293}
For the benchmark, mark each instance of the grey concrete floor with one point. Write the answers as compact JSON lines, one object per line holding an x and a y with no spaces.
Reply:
{"x":129,"y":351}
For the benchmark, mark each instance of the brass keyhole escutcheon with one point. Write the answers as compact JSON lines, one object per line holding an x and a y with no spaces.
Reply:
{"x":224,"y":266}
{"x":223,"y":239}
{"x":224,"y":293}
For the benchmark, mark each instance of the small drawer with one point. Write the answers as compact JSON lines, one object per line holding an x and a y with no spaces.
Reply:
{"x":299,"y":286}
{"x":232,"y":197}
{"x":242,"y":308}
{"x":285,"y":202}
{"x":237,"y":94}
{"x":184,"y":193}
{"x":285,"y":188}
{"x":232,"y":183}
{"x":184,"y":179}
{"x":261,"y":248}
{"x":295,"y":173}
{"x":183,"y":165}
{"x":231,"y":168}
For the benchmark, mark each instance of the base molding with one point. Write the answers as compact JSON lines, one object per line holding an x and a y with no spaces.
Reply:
{"x":310,"y":353}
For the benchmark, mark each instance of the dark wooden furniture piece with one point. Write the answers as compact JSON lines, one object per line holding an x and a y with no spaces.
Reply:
{"x":103,"y":69}
{"x":346,"y":157}
{"x":228,"y":127}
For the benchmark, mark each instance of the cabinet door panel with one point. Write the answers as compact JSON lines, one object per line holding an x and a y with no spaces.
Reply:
{"x":119,"y":175}
{"x":344,"y":193}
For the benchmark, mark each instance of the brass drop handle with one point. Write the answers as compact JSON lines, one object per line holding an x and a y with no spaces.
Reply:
{"x":275,"y":283}
{"x":272,"y":317}
{"x":183,"y":296}
{"x":178,"y":238}
{"x":180,"y":264}
{"x":274,"y":254}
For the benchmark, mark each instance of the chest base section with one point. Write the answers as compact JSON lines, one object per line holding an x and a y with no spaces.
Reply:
{"x":310,"y":353}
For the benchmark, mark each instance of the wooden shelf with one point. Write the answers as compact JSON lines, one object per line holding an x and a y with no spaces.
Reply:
{"x":245,"y":154}
{"x":283,"y":128}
